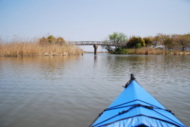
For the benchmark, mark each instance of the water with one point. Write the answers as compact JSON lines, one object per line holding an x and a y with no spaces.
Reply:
{"x":72,"y":91}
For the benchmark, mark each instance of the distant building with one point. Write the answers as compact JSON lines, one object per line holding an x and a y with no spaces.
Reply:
{"x":157,"y":44}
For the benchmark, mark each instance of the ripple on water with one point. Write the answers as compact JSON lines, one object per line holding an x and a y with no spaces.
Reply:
{"x":72,"y":91}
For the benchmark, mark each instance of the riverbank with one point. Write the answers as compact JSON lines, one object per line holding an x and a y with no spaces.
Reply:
{"x":152,"y":51}
{"x":21,"y":49}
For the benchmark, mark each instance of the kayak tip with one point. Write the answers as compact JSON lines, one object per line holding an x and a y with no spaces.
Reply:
{"x":132,"y":78}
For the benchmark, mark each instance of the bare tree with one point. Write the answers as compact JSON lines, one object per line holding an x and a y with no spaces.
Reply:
{"x":164,"y":39}
{"x":183,"y":41}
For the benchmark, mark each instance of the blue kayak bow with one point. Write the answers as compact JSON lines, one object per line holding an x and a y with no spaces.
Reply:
{"x":135,"y":107}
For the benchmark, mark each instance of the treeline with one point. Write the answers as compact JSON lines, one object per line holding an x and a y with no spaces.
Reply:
{"x":51,"y":40}
{"x":166,"y":42}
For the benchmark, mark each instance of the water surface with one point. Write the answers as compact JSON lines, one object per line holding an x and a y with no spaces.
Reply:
{"x":71,"y":91}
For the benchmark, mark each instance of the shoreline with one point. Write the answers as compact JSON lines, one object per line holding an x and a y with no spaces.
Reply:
{"x":31,"y":49}
{"x":153,"y":51}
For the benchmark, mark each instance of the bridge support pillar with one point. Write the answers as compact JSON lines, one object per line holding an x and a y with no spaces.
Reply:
{"x":95,"y":49}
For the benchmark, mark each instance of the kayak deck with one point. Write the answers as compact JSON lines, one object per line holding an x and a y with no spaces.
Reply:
{"x":135,"y":107}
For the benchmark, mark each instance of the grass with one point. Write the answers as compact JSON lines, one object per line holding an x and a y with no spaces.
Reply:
{"x":21,"y":49}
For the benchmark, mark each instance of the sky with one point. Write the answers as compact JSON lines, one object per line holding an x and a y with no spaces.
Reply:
{"x":92,"y":20}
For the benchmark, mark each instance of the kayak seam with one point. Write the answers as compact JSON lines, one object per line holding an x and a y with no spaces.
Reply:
{"x":131,"y":108}
{"x":134,"y":101}
{"x":135,"y":106}
{"x":178,"y":125}
{"x":140,"y":105}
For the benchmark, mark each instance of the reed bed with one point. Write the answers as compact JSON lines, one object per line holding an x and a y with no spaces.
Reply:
{"x":20,"y":49}
{"x":153,"y":51}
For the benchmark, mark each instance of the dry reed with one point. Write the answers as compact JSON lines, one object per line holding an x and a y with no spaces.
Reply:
{"x":20,"y":49}
{"x":153,"y":51}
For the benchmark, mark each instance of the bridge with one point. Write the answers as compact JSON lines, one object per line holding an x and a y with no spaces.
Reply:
{"x":104,"y":43}
{"x":95,"y":44}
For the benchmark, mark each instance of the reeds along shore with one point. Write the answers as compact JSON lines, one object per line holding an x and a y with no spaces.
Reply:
{"x":153,"y":51}
{"x":21,"y":49}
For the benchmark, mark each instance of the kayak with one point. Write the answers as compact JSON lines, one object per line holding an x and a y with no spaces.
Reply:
{"x":135,"y":107}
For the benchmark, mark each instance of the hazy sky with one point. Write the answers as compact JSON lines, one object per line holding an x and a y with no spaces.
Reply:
{"x":91,"y":20}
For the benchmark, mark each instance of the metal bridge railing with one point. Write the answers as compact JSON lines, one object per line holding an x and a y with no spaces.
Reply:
{"x":94,"y":43}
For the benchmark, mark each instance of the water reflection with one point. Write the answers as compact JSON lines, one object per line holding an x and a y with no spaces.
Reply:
{"x":142,"y":64}
{"x":46,"y":66}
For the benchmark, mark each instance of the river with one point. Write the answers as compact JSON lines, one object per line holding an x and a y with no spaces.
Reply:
{"x":71,"y":91}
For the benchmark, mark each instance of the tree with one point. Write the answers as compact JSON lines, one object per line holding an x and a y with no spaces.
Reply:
{"x":51,"y":40}
{"x":183,"y":41}
{"x":60,"y":41}
{"x":187,"y":41}
{"x":164,"y":39}
{"x":168,"y":43}
{"x":135,"y":42}
{"x":118,"y":40}
{"x":148,"y":41}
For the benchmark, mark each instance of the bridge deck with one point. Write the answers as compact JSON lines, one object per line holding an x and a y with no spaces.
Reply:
{"x":103,"y":43}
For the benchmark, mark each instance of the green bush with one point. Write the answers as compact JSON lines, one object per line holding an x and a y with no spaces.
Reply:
{"x":148,"y":41}
{"x":121,"y":51}
{"x":135,"y":42}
